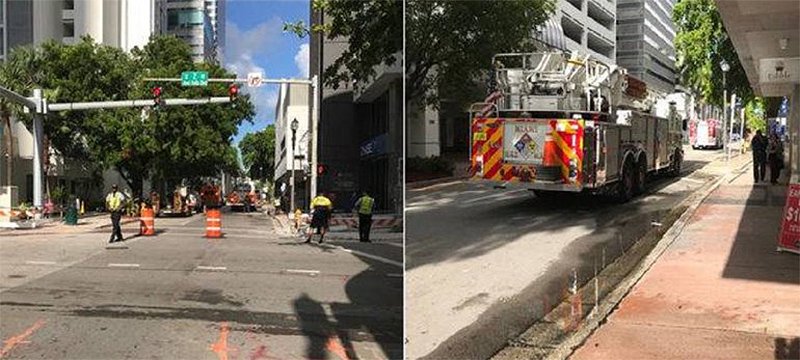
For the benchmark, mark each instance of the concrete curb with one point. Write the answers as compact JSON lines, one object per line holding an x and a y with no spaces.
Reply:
{"x":591,"y":323}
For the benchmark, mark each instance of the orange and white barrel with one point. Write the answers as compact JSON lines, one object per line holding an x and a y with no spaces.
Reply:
{"x":147,"y":220}
{"x":213,"y":223}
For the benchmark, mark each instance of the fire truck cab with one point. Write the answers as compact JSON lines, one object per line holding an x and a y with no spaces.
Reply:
{"x":563,"y":122}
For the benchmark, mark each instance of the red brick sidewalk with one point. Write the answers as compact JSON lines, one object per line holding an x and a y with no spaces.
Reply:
{"x":720,"y":291}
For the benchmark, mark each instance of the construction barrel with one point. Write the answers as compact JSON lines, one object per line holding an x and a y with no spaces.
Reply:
{"x":147,"y":221}
{"x":213,"y":223}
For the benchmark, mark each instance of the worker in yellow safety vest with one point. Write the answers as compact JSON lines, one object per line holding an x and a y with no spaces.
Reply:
{"x":115,"y":202}
{"x":364,"y":207}
{"x":322,"y":208}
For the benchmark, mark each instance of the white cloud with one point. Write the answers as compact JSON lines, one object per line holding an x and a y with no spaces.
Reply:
{"x":241,"y":48}
{"x":301,"y":60}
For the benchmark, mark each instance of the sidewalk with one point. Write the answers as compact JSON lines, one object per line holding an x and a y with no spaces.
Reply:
{"x":86,"y":223}
{"x":719,"y":291}
{"x":284,"y":226}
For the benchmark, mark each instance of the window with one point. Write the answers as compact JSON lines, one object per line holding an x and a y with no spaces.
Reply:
{"x":69,"y":4}
{"x":68,"y":27}
{"x":184,"y":18}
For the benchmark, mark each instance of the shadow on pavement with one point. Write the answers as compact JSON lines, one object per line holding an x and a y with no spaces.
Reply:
{"x":787,"y":349}
{"x":429,"y":241}
{"x":753,"y":255}
{"x":374,"y":312}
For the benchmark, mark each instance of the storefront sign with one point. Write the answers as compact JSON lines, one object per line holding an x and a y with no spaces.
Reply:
{"x":780,"y":70}
{"x":374,"y":146}
{"x":789,"y":238}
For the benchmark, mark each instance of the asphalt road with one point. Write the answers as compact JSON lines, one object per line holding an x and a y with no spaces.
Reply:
{"x":252,"y":294}
{"x":483,"y":264}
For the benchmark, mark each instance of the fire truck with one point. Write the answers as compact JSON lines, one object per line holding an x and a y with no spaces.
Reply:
{"x":242,"y":198}
{"x":563,"y":122}
{"x":704,"y":134}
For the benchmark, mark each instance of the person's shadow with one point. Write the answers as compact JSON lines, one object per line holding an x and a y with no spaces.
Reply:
{"x":314,"y":325}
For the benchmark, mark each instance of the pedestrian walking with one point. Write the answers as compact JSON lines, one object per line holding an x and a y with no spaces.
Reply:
{"x":759,"y":146}
{"x":364,"y":206}
{"x":322,"y":208}
{"x":115,"y":205}
{"x":775,"y":158}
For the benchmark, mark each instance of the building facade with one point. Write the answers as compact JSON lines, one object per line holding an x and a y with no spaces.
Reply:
{"x":200,"y":23}
{"x":645,"y":42}
{"x":293,"y":104}
{"x":588,"y":26}
{"x":360,"y":131}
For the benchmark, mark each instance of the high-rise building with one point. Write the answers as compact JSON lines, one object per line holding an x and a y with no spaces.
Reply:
{"x":645,"y":36}
{"x":587,"y":26}
{"x":201,"y":23}
{"x":122,"y":23}
{"x":360,"y":130}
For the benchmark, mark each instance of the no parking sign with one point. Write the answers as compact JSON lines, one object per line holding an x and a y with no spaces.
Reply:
{"x":789,"y":238}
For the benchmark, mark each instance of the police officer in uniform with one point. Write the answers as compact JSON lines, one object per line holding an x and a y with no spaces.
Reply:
{"x":115,"y":203}
{"x":364,"y":207}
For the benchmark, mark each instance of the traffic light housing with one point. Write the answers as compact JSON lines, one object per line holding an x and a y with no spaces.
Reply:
{"x":157,"y":91}
{"x":233,"y":92}
{"x":322,"y":169}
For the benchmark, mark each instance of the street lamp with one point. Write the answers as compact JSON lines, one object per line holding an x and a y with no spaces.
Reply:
{"x":295,"y":124}
{"x":725,"y":67}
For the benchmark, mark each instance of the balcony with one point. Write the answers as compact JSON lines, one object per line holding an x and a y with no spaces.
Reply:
{"x":601,"y":11}
{"x":573,"y":29}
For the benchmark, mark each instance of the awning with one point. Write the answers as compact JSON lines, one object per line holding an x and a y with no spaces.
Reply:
{"x":551,"y":33}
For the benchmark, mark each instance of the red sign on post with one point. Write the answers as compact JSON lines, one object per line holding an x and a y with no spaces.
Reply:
{"x":789,"y":238}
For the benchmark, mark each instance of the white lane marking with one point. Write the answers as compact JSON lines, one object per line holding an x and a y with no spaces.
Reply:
{"x":123,"y":265}
{"x":307,"y":272}
{"x":370,"y":256}
{"x":212,"y":268}
{"x":395,"y":275}
{"x":30,"y":262}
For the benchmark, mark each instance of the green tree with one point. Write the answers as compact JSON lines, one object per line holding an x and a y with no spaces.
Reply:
{"x":755,"y":115}
{"x":172,"y":142}
{"x":701,"y":43}
{"x":374,"y":32}
{"x":450,"y":44}
{"x":21,"y":72}
{"x":258,"y":154}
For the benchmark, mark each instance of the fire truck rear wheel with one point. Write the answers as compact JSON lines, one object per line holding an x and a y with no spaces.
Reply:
{"x":627,"y":184}
{"x":641,"y":177}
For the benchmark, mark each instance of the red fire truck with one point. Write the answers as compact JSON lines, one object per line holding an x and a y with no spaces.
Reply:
{"x":563,"y":122}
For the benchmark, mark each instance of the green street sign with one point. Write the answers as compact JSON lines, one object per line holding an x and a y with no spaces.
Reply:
{"x":194,"y":78}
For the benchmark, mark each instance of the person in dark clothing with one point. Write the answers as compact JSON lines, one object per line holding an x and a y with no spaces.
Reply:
{"x":364,"y":207}
{"x":759,"y":146}
{"x":775,"y":158}
{"x":115,"y":203}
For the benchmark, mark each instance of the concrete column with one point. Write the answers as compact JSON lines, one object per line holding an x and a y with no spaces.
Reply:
{"x":38,"y":137}
{"x":794,"y":134}
{"x":423,"y":131}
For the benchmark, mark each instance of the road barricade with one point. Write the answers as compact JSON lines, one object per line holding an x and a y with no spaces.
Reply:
{"x":213,"y":223}
{"x":147,"y":221}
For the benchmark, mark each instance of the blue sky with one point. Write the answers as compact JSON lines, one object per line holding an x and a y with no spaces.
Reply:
{"x":255,"y":41}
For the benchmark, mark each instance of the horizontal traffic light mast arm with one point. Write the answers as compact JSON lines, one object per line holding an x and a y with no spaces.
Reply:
{"x":135,"y":103}
{"x":17,"y":98}
{"x":243,"y":81}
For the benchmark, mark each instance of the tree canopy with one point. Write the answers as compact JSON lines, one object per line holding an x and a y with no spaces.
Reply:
{"x":701,"y":44}
{"x":374,"y":32}
{"x":258,"y":154}
{"x":171,"y":142}
{"x":450,"y":44}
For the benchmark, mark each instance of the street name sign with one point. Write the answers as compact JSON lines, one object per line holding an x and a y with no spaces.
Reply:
{"x":194,"y":78}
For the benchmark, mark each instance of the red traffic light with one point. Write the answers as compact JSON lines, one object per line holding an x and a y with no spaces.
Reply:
{"x":157,"y":95}
{"x":321,"y":169}
{"x":233,"y":91}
